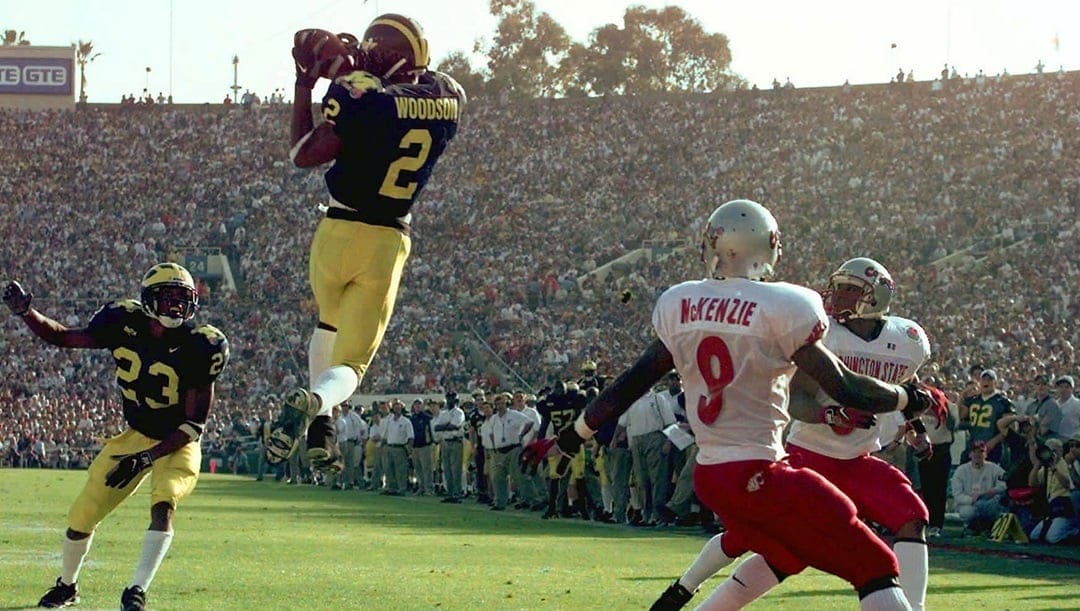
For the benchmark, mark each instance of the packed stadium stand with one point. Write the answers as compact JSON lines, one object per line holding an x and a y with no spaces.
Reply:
{"x":520,"y":266}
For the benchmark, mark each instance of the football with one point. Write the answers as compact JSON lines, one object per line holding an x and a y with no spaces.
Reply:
{"x":325,"y":51}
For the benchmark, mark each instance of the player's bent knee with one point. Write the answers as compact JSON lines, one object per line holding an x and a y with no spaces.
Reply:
{"x":913,"y":530}
{"x":76,"y":535}
{"x":878,"y":583}
{"x":780,"y":575}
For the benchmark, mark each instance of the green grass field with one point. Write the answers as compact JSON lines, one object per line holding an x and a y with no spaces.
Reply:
{"x":246,"y":545}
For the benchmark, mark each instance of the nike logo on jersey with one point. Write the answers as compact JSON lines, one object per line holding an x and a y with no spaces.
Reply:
{"x":173,"y":349}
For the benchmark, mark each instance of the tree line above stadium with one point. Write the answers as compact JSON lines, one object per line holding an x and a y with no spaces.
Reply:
{"x":654,"y":50}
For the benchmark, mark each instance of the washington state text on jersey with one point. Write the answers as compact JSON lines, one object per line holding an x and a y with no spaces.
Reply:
{"x":889,"y":371}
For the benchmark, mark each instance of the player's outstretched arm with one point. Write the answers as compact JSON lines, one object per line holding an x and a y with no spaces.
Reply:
{"x":612,"y":402}
{"x":803,"y":405}
{"x":18,"y":300}
{"x":653,"y":364}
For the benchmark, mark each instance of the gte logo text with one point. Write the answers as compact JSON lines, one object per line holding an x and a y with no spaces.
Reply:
{"x":42,"y":76}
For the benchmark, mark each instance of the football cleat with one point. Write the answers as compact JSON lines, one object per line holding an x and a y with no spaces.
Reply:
{"x":322,"y":446}
{"x":284,"y":437}
{"x":133,"y":599}
{"x":60,"y":595}
{"x":673,"y":598}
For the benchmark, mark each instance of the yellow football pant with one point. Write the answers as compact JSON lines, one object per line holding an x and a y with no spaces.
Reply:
{"x":354,"y":270}
{"x":172,"y":478}
{"x":577,"y":466}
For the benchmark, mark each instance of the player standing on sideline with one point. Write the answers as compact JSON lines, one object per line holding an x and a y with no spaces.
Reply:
{"x":386,"y":124}
{"x":838,"y":442}
{"x":165,"y":368}
{"x":736,"y":341}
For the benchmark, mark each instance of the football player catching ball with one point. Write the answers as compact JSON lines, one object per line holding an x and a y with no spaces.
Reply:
{"x":386,"y":121}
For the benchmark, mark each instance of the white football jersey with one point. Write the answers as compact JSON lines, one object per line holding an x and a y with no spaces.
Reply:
{"x":894,"y":356}
{"x":733,"y":340}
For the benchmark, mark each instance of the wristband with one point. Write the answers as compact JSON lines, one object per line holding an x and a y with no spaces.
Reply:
{"x":901,"y":398}
{"x":582,"y":429}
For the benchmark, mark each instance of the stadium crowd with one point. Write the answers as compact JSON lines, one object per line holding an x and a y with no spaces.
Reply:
{"x":968,"y":192}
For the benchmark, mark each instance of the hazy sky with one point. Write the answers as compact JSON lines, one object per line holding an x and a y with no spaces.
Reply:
{"x":812,"y":42}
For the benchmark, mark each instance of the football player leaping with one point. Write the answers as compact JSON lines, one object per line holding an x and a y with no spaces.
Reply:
{"x":736,"y":341}
{"x":386,"y":124}
{"x":165,"y":368}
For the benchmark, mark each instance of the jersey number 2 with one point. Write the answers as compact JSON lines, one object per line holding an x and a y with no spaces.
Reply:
{"x":409,"y":163}
{"x":714,"y":363}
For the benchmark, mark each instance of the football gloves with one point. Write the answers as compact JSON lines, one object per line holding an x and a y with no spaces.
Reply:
{"x":847,"y":418}
{"x":919,"y":439}
{"x":128,"y":468}
{"x":17,"y":299}
{"x":921,"y":398}
{"x":565,"y":446}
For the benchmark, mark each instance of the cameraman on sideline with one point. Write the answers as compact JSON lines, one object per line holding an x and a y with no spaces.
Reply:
{"x":1050,"y":475}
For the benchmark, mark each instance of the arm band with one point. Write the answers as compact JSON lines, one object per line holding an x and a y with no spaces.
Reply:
{"x":295,"y":150}
{"x":901,"y":398}
{"x":583,"y":429}
{"x":192,"y":429}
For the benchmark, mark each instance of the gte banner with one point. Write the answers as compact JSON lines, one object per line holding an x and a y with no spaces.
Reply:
{"x":36,"y":75}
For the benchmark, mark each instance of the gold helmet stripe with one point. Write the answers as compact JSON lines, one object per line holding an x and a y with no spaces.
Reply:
{"x":418,"y":43}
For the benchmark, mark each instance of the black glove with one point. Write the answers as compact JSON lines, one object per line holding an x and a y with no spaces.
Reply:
{"x":17,"y":299}
{"x":847,"y":418}
{"x":128,"y":468}
{"x":565,"y":446}
{"x":919,"y":399}
{"x":920,"y":444}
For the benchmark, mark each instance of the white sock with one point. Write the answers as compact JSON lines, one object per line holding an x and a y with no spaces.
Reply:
{"x":709,"y":560}
{"x":889,"y":599}
{"x":334,"y":386}
{"x":154,"y":546}
{"x":747,"y":583}
{"x":914,"y":564}
{"x":320,"y":351}
{"x":74,"y":552}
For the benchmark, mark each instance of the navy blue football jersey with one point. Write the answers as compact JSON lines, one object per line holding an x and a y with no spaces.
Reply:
{"x":391,"y":138}
{"x":154,"y":373}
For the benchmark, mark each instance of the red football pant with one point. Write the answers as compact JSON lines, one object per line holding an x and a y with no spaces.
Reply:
{"x":880,"y":491}
{"x":794,"y":518}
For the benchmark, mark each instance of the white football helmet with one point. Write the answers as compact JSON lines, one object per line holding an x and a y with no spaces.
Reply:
{"x":741,"y":240}
{"x":875,"y":292}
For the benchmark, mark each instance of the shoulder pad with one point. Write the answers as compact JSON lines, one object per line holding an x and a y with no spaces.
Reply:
{"x":448,"y":85}
{"x":118,"y":309}
{"x":127,"y":305}
{"x":213,"y":336}
{"x":358,"y":82}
